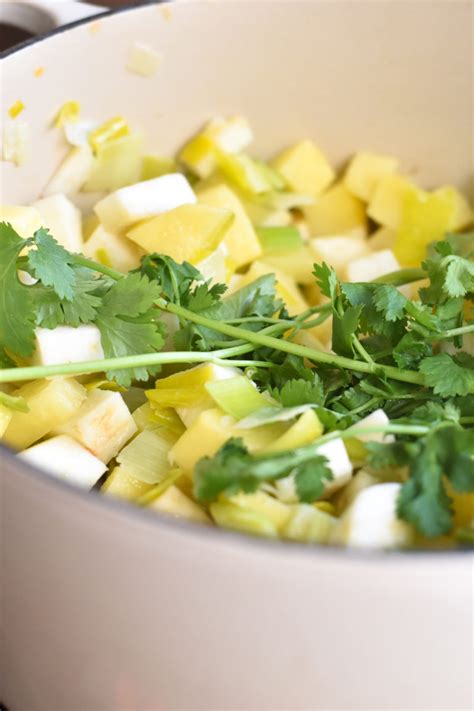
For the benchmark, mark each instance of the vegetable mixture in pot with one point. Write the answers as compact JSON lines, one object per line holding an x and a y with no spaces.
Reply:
{"x":264,"y":346}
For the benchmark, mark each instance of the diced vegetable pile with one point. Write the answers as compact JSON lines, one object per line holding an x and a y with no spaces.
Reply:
{"x":263,"y":346}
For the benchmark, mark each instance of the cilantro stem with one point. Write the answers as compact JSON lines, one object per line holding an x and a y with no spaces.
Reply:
{"x":406,"y":376}
{"x":455,"y":332}
{"x":9,"y":375}
{"x":401,"y":277}
{"x":96,"y":267}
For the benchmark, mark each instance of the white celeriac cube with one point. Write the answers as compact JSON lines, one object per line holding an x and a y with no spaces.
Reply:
{"x":25,"y":220}
{"x":72,"y":173}
{"x":339,"y":464}
{"x":232,"y":135}
{"x":63,"y":220}
{"x":128,"y":205}
{"x":378,"y":418}
{"x":372,"y":266}
{"x":64,"y":344}
{"x":371,"y":520}
{"x":339,"y":250}
{"x":103,"y":424}
{"x":66,"y":459}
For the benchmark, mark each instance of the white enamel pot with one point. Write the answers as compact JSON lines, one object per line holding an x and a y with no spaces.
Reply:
{"x":106,"y":607}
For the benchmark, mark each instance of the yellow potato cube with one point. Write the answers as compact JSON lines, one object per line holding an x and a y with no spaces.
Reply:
{"x":112,"y":250}
{"x":335,"y":212}
{"x":383,"y":238}
{"x":174,"y":503}
{"x":296,"y":263}
{"x":187,"y":233}
{"x":463,"y":215}
{"x":305,"y":430}
{"x":286,"y":287}
{"x":51,"y":403}
{"x":339,"y":250}
{"x":240,"y":239}
{"x":365,"y":172}
{"x":305,"y":168}
{"x":386,"y":204}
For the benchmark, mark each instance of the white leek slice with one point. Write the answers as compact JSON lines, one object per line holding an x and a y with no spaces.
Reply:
{"x":63,"y":220}
{"x":16,"y":142}
{"x":146,"y":456}
{"x":237,"y":397}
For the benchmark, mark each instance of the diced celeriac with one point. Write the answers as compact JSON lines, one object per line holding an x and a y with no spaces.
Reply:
{"x":51,"y":403}
{"x":16,"y":142}
{"x":24,"y":220}
{"x":64,"y":344}
{"x":371,"y":520}
{"x":378,"y":418}
{"x":339,"y":250}
{"x":174,"y":503}
{"x":345,"y":496}
{"x":63,"y":220}
{"x":337,"y":461}
{"x":72,"y":173}
{"x":112,"y":250}
{"x":103,"y":424}
{"x":66,"y":459}
{"x":372,"y":266}
{"x":126,"y":206}
{"x":308,"y":524}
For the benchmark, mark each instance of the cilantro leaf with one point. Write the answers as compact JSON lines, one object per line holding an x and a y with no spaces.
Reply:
{"x":51,"y":264}
{"x":344,"y":328}
{"x":410,"y":350}
{"x":449,"y":375}
{"x":51,"y":311}
{"x":17,"y":314}
{"x":233,"y":469}
{"x":128,"y":324}
{"x":300,"y":392}
{"x":390,"y":302}
{"x":326,"y":279}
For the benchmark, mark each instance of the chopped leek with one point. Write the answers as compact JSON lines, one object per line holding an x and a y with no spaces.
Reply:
{"x":229,"y":515}
{"x":16,"y":108}
{"x":117,"y":163}
{"x":155,"y":167}
{"x":110,"y":130}
{"x":69,"y":111}
{"x":158,"y":489}
{"x":305,"y":430}
{"x":244,"y":172}
{"x":146,"y":456}
{"x":237,"y":397}
{"x":279,"y":239}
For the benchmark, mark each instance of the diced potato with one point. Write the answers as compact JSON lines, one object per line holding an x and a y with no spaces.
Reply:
{"x":365,"y":171}
{"x":378,"y":418}
{"x":122,"y":484}
{"x":64,"y":344}
{"x":373,"y":266}
{"x":5,"y":418}
{"x":187,"y":233}
{"x":63,"y":220}
{"x":112,"y":250}
{"x":240,"y":239}
{"x":386,"y":205}
{"x":425,"y":218}
{"x":117,"y":163}
{"x":66,"y":459}
{"x":336,"y":211}
{"x":174,"y":503}
{"x":383,"y":238}
{"x":308,"y":524}
{"x":231,"y":136}
{"x":24,"y":220}
{"x":463,"y":215}
{"x":126,"y":206}
{"x":51,"y":403}
{"x":187,"y":388}
{"x":305,"y":430}
{"x":103,"y":424}
{"x":72,"y":172}
{"x":286,"y":287}
{"x":371,"y":520}
{"x":339,"y":250}
{"x":305,"y":168}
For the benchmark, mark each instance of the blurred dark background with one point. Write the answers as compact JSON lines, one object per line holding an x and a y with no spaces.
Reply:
{"x":10,"y":36}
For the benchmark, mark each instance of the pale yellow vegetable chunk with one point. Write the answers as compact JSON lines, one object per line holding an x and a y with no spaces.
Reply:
{"x":240,"y":239}
{"x":187,"y":233}
{"x":386,"y":205}
{"x":305,"y":168}
{"x":286,"y":287}
{"x":365,"y":171}
{"x":112,"y":250}
{"x":336,"y":212}
{"x":305,"y":430}
{"x":24,"y":220}
{"x":51,"y":403}
{"x":174,"y":503}
{"x":122,"y":484}
{"x":339,"y":251}
{"x":5,"y":418}
{"x":463,"y":215}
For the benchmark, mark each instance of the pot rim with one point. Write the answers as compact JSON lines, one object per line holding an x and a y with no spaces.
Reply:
{"x":183,"y":527}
